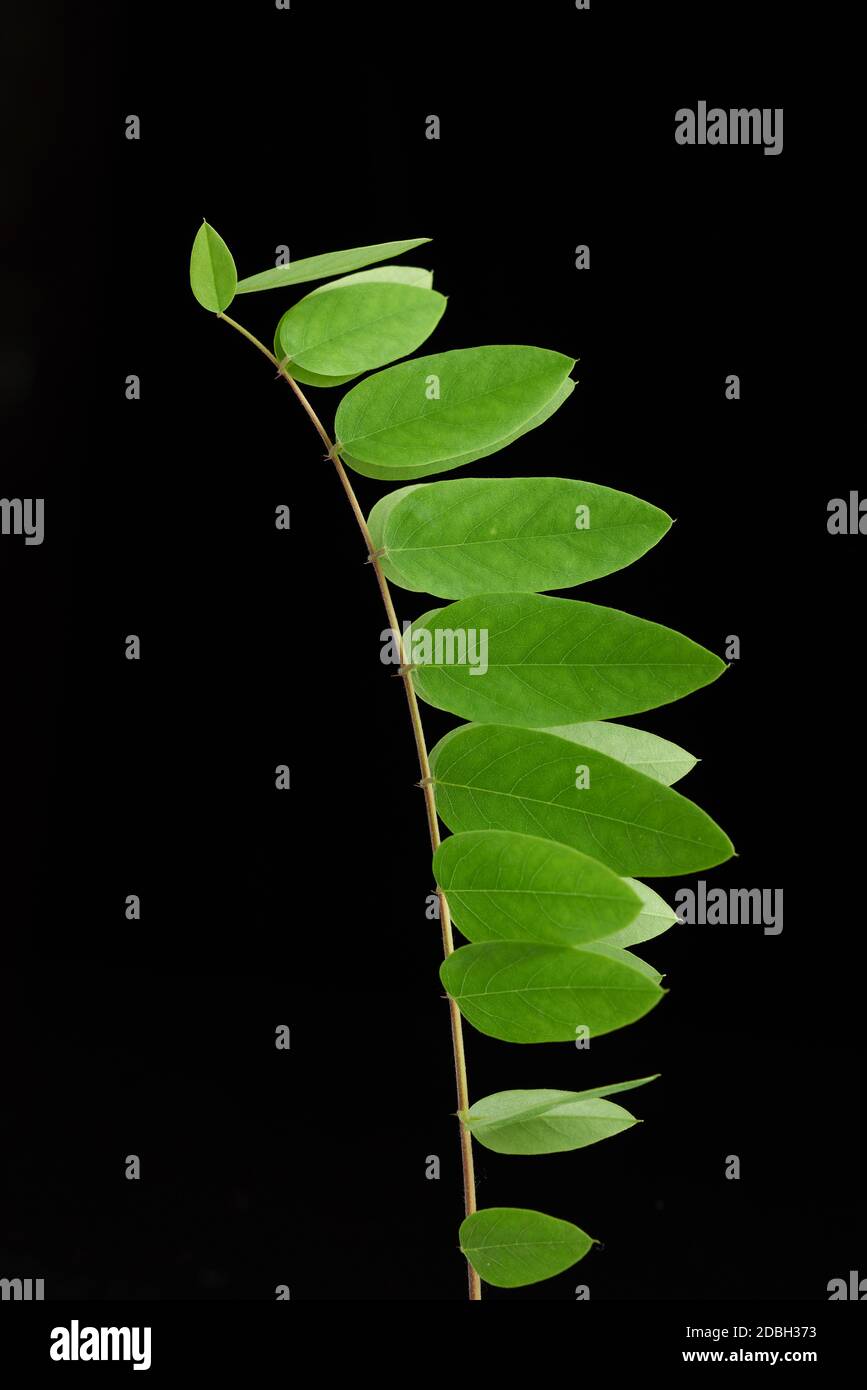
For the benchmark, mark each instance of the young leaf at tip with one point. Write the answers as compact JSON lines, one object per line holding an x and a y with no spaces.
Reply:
{"x":213,"y":278}
{"x":511,"y":1246}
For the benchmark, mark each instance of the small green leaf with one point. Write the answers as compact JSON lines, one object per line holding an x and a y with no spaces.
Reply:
{"x":213,"y":278}
{"x":536,"y":661}
{"x":509,"y":535}
{"x":524,"y":993}
{"x":491,"y":777}
{"x":544,"y":1122}
{"x":325,"y":266}
{"x":442,"y":411}
{"x":647,"y":753}
{"x":510,"y":1246}
{"x":506,"y":887}
{"x":393,"y":274}
{"x":354,"y":328}
{"x":654,"y":918}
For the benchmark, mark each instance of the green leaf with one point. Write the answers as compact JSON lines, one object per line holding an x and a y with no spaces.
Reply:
{"x":524,"y":993}
{"x":617,"y":953}
{"x":398,"y":274}
{"x":508,"y":535}
{"x":356,"y":327}
{"x":647,"y":753}
{"x":213,"y":278}
{"x":307,"y":378}
{"x":390,"y":426}
{"x":544,"y":1122}
{"x":506,"y":887}
{"x":490,"y":777}
{"x":323,"y":267}
{"x":394,"y":274}
{"x":654,"y":918}
{"x":536,"y":661}
{"x":510,"y":1246}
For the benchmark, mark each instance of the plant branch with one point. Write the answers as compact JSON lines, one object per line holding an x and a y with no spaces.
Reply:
{"x":424,"y":765}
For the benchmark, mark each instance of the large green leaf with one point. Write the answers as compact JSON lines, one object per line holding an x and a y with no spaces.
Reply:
{"x":544,"y":1122}
{"x":525,"y":993}
{"x":654,"y":918}
{"x":491,"y":777}
{"x":509,"y":535}
{"x":213,"y":278}
{"x":391,"y":274}
{"x":654,"y":756}
{"x":510,"y":1246}
{"x":536,"y":661}
{"x":506,"y":887}
{"x":353,"y":328}
{"x":394,"y":425}
{"x":323,"y":267}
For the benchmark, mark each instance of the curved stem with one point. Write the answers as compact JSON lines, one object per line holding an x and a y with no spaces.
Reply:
{"x":475,"y":1291}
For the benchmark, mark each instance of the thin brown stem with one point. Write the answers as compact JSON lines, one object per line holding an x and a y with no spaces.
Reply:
{"x":475,"y":1291}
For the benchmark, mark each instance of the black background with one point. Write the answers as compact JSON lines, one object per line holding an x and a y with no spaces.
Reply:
{"x":261,"y":647}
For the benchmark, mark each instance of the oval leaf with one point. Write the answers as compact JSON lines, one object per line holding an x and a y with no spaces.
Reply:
{"x":648,"y":753}
{"x":535,"y":661}
{"x":506,"y":887}
{"x":543,"y":1122}
{"x":325,"y":266}
{"x":510,"y":1246}
{"x":524,"y":993}
{"x":213,"y":278}
{"x":509,"y":535}
{"x":489,"y":777}
{"x":353,"y":328}
{"x":654,"y":918}
{"x":439,"y":412}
